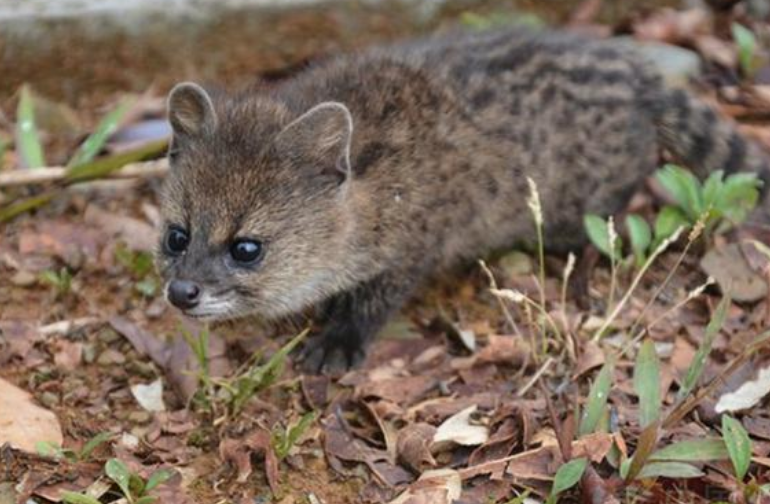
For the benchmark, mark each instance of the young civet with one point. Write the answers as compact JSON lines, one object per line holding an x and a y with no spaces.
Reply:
{"x":345,"y":187}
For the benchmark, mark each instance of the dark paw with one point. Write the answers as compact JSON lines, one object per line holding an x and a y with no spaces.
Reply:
{"x":328,"y":355}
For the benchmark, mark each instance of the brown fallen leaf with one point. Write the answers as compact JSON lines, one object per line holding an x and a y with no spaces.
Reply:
{"x":341,"y":445}
{"x":239,"y":452}
{"x":413,"y":446}
{"x":729,"y":268}
{"x":403,"y":390}
{"x":541,"y":463}
{"x":23,"y":424}
{"x":442,"y":486}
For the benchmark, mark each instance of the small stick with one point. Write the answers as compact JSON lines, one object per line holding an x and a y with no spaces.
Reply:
{"x":146,"y":169}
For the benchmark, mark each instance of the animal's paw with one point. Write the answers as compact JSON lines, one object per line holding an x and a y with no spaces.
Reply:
{"x":334,"y":351}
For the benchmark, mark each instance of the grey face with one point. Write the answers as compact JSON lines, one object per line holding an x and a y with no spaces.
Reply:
{"x":253,"y":206}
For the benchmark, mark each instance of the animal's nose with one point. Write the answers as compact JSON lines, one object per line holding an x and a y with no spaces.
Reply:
{"x":184,"y":294}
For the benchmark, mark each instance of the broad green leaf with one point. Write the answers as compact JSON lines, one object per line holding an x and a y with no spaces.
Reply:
{"x":28,"y":143}
{"x":739,"y":195}
{"x":712,"y":189}
{"x":104,"y":130}
{"x":625,"y":465}
{"x":738,"y":445}
{"x":668,"y":221}
{"x":119,"y":473}
{"x":647,"y":384}
{"x":692,"y":450}
{"x":683,"y":187}
{"x":674,"y":470}
{"x":598,"y":232}
{"x":567,"y":476}
{"x":699,"y":360}
{"x":641,"y":236}
{"x":747,"y":45}
{"x":78,"y":498}
{"x":158,"y":478}
{"x":147,"y":499}
{"x":597,"y":399}
{"x":48,"y":449}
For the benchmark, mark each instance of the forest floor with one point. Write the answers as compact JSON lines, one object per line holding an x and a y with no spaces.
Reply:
{"x":629,"y":398}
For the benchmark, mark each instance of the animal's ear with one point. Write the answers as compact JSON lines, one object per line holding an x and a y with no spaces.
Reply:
{"x":321,"y":136}
{"x":190,"y":111}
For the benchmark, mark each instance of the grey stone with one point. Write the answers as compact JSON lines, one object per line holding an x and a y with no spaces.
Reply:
{"x":677,"y":64}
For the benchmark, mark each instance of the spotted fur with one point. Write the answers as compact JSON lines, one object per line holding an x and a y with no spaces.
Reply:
{"x":364,"y":175}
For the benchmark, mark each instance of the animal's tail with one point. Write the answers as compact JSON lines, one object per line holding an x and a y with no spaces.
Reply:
{"x":701,"y":140}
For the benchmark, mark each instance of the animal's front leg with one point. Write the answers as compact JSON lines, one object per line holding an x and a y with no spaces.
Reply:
{"x":351,"y":320}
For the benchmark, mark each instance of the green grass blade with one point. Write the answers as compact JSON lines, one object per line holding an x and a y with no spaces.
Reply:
{"x":16,"y":208}
{"x":738,"y":445}
{"x":104,"y":130}
{"x":674,"y":470}
{"x":104,"y":166}
{"x":597,"y":400}
{"x":692,"y":450}
{"x":647,"y":384}
{"x":699,"y":360}
{"x":28,"y":143}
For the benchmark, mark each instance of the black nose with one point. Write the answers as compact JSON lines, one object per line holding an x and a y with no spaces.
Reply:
{"x":184,"y":294}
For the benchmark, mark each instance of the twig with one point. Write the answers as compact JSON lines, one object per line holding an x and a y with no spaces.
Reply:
{"x":535,"y":377}
{"x":145,"y":169}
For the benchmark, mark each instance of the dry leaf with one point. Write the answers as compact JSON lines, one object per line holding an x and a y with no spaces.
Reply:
{"x":23,"y":424}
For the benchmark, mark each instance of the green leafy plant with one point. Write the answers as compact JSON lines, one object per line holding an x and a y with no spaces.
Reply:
{"x":258,"y":377}
{"x":567,"y":476}
{"x":54,"y":450}
{"x":61,"y":281}
{"x":235,"y":392}
{"x":82,"y":165}
{"x":135,"y":489}
{"x":141,"y":266}
{"x":283,"y":440}
{"x":725,"y":201}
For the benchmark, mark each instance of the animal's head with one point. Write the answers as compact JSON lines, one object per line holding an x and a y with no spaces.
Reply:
{"x":254,"y":208}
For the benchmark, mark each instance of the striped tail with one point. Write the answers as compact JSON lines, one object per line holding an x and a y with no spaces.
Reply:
{"x":703,"y":141}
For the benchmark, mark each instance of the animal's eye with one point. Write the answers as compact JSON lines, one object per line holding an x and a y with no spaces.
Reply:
{"x":246,"y":251}
{"x":176,"y":240}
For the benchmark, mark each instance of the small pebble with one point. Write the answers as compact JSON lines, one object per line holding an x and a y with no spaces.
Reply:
{"x":49,"y":399}
{"x":140,"y":417}
{"x":111,"y":357}
{"x":23,"y":279}
{"x":89,"y":353}
{"x":108,"y":336}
